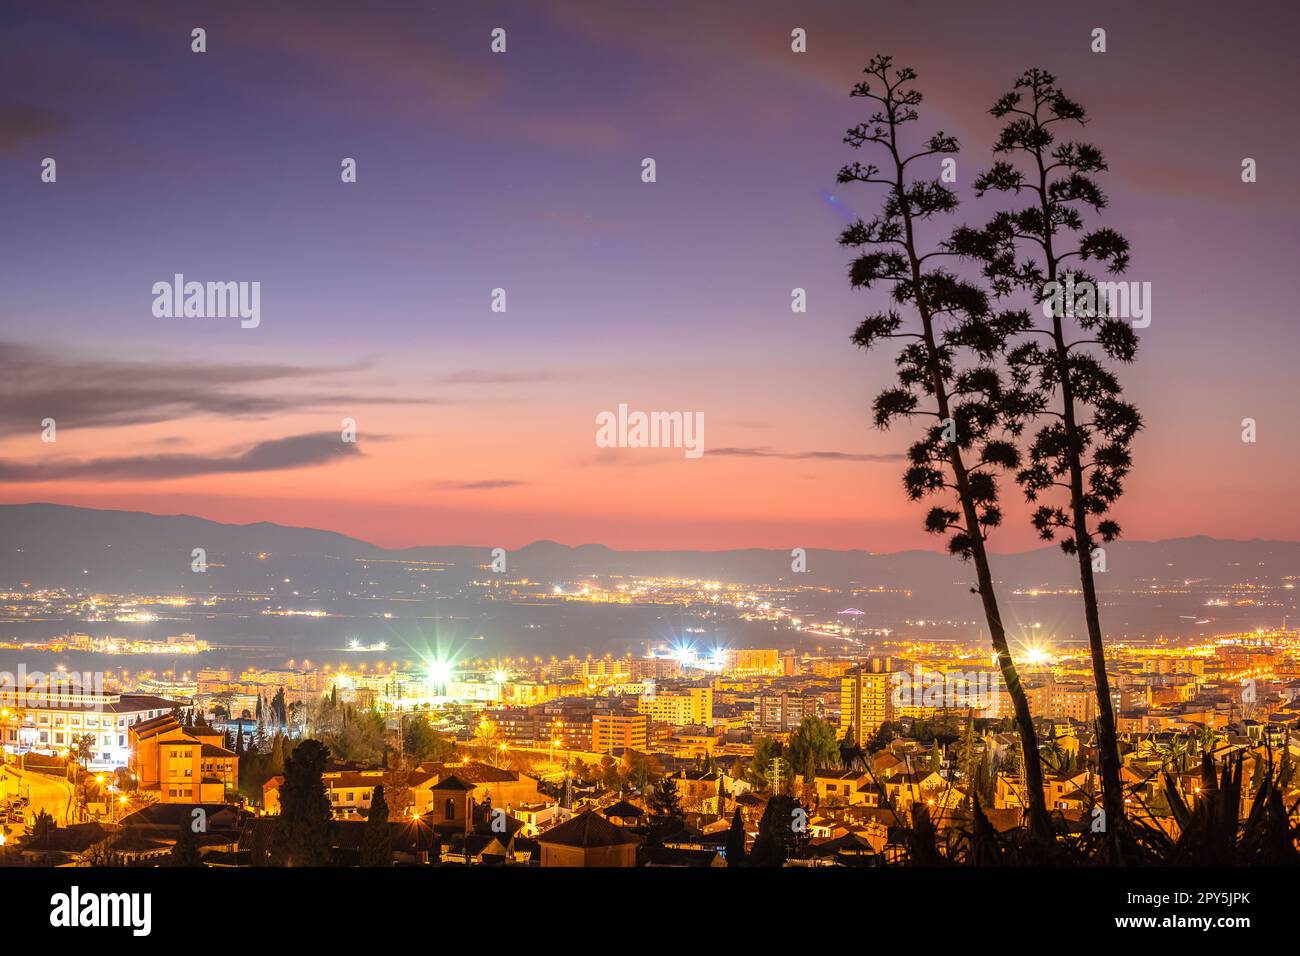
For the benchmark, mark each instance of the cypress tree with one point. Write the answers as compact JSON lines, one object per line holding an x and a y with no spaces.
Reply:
{"x":736,"y":841}
{"x":303,"y":833}
{"x":377,"y":841}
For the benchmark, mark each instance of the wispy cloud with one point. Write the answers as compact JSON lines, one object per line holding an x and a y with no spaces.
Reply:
{"x":802,"y":455}
{"x":486,"y":484}
{"x":103,"y":393}
{"x":280,"y":454}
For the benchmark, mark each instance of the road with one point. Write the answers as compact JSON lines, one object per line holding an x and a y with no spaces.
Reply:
{"x":46,"y":792}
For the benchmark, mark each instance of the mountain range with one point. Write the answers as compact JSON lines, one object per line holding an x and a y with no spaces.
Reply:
{"x":123,"y":552}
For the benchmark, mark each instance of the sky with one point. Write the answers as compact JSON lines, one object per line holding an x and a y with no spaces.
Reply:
{"x":522,"y":171}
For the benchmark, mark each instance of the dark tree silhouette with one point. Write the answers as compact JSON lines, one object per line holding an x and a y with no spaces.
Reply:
{"x":1081,"y":453}
{"x":736,"y":840}
{"x":778,"y":839}
{"x":666,"y":814}
{"x":302,"y":835}
{"x":185,"y":851}
{"x":377,"y":841}
{"x":949,"y":361}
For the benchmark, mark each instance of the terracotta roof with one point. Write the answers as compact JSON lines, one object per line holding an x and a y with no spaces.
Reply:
{"x":357,"y":779}
{"x":147,"y":728}
{"x":473,"y":772}
{"x":623,"y":809}
{"x":588,"y":830}
{"x":132,"y":703}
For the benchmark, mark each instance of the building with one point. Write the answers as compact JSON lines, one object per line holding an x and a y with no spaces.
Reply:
{"x":690,"y":706}
{"x":182,"y":764}
{"x":504,"y":788}
{"x":1063,"y":701}
{"x":754,"y":662}
{"x":53,"y":722}
{"x":866,"y":699}
{"x":843,"y":788}
{"x":611,"y":732}
{"x":588,"y":840}
{"x":350,"y":791}
{"x":780,"y":713}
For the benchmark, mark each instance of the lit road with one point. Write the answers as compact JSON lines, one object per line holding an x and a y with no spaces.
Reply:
{"x":48,"y":793}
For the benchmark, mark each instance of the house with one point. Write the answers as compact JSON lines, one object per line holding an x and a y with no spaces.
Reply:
{"x":624,"y":814}
{"x":59,"y":846}
{"x":505,"y":788}
{"x":850,"y":849}
{"x":133,"y":847}
{"x":673,"y":856}
{"x":843,"y":787}
{"x":166,"y":818}
{"x":350,"y":790}
{"x":699,"y":788}
{"x":490,"y":840}
{"x":182,"y":764}
{"x":536,"y":817}
{"x":411,"y":840}
{"x":453,"y":806}
{"x":588,"y":840}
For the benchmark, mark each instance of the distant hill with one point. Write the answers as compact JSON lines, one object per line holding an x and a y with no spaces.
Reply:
{"x":122,"y":551}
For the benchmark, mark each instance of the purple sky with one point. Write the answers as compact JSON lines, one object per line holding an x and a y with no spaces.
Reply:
{"x":522,"y":171}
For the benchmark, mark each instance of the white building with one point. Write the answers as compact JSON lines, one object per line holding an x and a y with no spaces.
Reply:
{"x":52,"y":723}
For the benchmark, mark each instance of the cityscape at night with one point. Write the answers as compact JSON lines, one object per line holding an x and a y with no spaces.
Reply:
{"x":843,"y":444}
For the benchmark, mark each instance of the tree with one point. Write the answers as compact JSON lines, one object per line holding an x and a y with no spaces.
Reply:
{"x":421,"y":741}
{"x":103,"y":854}
{"x":279,"y":710}
{"x":84,"y":749}
{"x":1082,"y":451}
{"x":765,"y":749}
{"x":41,"y":826}
{"x":377,"y":841}
{"x":949,"y":362}
{"x":303,"y":831}
{"x":609,"y":775}
{"x":735,"y":850}
{"x":185,"y":851}
{"x":666,"y":814}
{"x":400,"y":798}
{"x":779,"y":834}
{"x":813,"y":742}
{"x":969,"y":750}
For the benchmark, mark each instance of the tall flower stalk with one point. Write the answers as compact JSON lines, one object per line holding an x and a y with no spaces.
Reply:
{"x":948,"y":367}
{"x":1080,"y":454}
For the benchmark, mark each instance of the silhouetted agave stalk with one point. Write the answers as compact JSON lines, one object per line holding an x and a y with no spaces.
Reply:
{"x":947,"y":370}
{"x":1081,"y":451}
